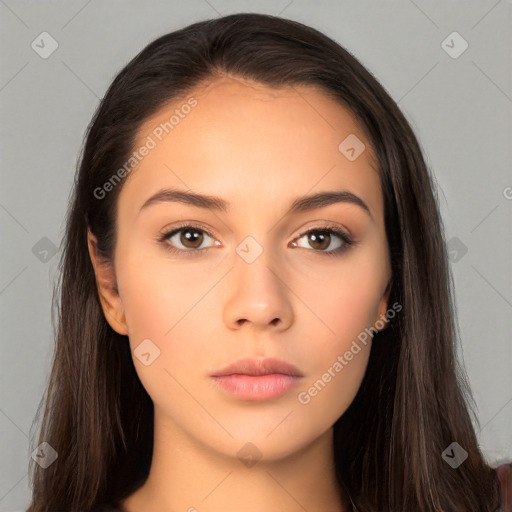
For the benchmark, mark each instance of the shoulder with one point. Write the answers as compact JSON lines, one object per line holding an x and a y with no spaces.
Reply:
{"x":504,"y":475}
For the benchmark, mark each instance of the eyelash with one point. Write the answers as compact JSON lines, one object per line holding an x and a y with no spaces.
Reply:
{"x":346,"y":239}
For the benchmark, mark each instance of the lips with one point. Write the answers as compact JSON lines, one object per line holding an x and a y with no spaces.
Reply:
{"x":257,"y":379}
{"x":257,"y":367}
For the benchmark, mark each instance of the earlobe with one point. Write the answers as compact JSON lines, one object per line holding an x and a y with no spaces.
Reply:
{"x":110,"y":300}
{"x":381,"y":316}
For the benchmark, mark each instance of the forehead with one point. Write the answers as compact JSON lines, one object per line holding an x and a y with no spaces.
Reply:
{"x":244,"y":139}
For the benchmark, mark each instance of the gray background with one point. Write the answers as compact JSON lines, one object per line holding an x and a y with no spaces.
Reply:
{"x":459,"y":107}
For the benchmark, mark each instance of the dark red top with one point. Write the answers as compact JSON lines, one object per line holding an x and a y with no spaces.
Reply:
{"x":504,"y":476}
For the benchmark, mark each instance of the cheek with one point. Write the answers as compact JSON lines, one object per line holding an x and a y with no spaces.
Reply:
{"x":157,"y":294}
{"x":344,"y":305}
{"x":329,"y":393}
{"x":339,"y":339}
{"x":339,"y":357}
{"x":162,"y":305}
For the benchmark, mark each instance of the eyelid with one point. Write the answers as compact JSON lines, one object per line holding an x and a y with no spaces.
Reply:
{"x":327,"y":225}
{"x":187,"y":224}
{"x":209,"y":231}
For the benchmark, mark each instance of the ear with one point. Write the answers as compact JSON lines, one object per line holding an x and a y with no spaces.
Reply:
{"x":383,"y":307}
{"x":107,"y":289}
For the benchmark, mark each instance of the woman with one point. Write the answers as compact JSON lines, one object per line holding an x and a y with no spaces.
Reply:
{"x":209,"y":355}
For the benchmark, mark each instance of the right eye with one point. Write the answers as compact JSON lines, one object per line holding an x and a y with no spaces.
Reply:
{"x":189,"y":236}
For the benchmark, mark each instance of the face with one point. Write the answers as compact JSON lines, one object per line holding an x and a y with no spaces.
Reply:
{"x":200,"y":288}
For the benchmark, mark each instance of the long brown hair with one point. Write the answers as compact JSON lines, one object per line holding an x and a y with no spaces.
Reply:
{"x":414,"y":400}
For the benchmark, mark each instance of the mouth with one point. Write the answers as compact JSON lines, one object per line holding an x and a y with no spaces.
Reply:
{"x":257,"y":379}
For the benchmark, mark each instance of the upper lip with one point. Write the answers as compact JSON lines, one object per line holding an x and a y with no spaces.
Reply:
{"x":268,"y":366}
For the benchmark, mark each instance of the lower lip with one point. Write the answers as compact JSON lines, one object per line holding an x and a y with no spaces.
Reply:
{"x":261,"y":387}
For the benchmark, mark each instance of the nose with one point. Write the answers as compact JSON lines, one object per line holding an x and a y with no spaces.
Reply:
{"x":258,"y":295}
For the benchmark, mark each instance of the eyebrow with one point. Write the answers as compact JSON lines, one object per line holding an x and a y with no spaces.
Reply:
{"x":301,"y":204}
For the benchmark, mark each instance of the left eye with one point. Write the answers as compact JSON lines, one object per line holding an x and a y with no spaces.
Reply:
{"x":321,"y":238}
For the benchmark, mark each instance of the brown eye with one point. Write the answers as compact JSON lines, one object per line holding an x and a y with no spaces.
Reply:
{"x":319,"y":239}
{"x":186,"y":239}
{"x":191,"y":238}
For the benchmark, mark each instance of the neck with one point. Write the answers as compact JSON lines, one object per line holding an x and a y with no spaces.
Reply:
{"x":189,"y":476}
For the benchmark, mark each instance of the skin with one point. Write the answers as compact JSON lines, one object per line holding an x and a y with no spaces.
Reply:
{"x":258,"y":148}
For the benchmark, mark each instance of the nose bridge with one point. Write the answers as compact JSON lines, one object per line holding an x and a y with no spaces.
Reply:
{"x":256,"y":267}
{"x":258,"y":294}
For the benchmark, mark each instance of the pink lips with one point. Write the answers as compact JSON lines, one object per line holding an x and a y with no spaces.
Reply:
{"x":257,"y":379}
